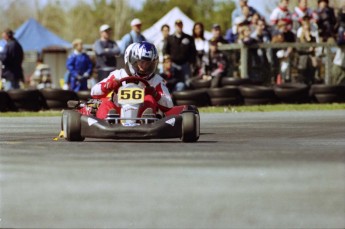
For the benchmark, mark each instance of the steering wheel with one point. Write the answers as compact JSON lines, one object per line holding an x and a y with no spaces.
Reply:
{"x":131,"y":79}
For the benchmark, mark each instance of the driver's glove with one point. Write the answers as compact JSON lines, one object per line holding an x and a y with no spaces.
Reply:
{"x":109,"y":85}
{"x":152,"y":91}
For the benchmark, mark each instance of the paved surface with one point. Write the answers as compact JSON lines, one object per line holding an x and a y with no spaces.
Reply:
{"x":249,"y":170}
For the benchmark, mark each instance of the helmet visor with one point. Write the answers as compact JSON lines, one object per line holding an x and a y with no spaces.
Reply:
{"x":144,"y":67}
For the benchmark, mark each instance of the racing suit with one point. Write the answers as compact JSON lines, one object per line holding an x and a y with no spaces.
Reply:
{"x":161,"y":99}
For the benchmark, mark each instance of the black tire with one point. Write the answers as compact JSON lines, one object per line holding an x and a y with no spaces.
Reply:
{"x":232,"y":81}
{"x":72,"y":125}
{"x":6,"y":103}
{"x":327,"y":98}
{"x":58,"y":94}
{"x":200,"y":83}
{"x":27,"y":100}
{"x":56,"y":104}
{"x":190,"y":127}
{"x":198,"y":103}
{"x":84,"y":95}
{"x":292,"y":93}
{"x":326,"y":89}
{"x":190,"y":94}
{"x":254,"y":91}
{"x":224,"y":92}
{"x":224,"y":101}
{"x":197,"y":97}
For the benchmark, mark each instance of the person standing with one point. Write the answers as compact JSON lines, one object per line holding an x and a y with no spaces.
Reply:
{"x":79,"y":66}
{"x":181,"y":48}
{"x":12,"y":58}
{"x":133,"y":36}
{"x":106,"y":51}
{"x":159,"y":43}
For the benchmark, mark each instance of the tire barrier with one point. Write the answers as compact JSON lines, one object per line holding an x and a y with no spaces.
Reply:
{"x":84,"y":95}
{"x":322,"y":93}
{"x":27,"y":100}
{"x":197,"y":97}
{"x":231,"y":81}
{"x":257,"y":95}
{"x":6,"y":103}
{"x":56,"y":99}
{"x":292,"y":93}
{"x":233,"y":93}
{"x":200,"y":83}
{"x":229,"y":95}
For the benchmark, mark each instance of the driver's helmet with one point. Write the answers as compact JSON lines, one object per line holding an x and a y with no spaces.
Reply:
{"x":141,"y":59}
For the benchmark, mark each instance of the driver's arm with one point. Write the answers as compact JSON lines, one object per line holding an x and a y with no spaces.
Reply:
{"x":104,"y":87}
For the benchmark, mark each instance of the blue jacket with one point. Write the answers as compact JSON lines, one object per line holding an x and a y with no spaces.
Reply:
{"x":79,"y":64}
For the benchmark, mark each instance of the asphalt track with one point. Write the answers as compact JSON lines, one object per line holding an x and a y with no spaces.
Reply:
{"x":249,"y":170}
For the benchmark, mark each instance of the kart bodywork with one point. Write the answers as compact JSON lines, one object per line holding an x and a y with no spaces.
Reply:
{"x":178,"y":122}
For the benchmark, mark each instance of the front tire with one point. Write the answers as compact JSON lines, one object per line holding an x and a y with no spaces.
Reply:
{"x":72,"y":125}
{"x":190,"y":127}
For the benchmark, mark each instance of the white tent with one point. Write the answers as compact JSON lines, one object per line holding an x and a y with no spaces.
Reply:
{"x":154,"y":32}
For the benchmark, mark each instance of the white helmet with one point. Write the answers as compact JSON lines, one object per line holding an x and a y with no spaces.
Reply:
{"x":141,"y":59}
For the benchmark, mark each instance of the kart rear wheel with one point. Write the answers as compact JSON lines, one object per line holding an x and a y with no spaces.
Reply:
{"x":72,"y":125}
{"x":190,"y":127}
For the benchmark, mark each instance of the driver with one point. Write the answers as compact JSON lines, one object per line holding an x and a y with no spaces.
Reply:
{"x":141,"y":60}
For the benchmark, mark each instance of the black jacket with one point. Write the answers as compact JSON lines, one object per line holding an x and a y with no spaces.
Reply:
{"x":12,"y":58}
{"x":181,"y":49}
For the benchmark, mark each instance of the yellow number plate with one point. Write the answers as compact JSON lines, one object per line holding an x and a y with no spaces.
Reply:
{"x":130,"y":96}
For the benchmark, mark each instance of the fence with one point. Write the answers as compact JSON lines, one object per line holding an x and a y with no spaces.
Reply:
{"x":327,"y":54}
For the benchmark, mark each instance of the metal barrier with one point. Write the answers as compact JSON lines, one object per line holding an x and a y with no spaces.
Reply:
{"x":244,"y":53}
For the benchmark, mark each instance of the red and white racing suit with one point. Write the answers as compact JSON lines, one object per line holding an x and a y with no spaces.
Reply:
{"x":162,"y":102}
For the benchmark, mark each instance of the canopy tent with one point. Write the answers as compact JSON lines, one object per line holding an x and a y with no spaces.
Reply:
{"x":154,"y":32}
{"x":34,"y":37}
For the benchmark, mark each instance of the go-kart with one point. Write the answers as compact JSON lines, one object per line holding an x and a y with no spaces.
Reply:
{"x":179,"y":122}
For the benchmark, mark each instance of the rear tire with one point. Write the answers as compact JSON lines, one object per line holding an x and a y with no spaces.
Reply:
{"x":72,"y":125}
{"x":190,"y":127}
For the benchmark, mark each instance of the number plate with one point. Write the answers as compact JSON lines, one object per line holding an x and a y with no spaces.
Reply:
{"x":130,"y":96}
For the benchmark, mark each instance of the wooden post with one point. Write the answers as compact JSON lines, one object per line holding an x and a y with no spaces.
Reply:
{"x":244,"y":62}
{"x":328,"y":65}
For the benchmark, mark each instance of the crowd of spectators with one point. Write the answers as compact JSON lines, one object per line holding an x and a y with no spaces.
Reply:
{"x":184,"y":57}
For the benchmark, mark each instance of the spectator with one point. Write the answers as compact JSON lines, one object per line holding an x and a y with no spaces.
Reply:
{"x":217,"y":35}
{"x":41,"y":78}
{"x":12,"y":58}
{"x":159,"y":43}
{"x":232,"y":34}
{"x":217,"y":66}
{"x":301,"y":11}
{"x":181,"y":47}
{"x":262,"y":35}
{"x":174,"y":81}
{"x":201,"y":45}
{"x":281,"y":59}
{"x":341,"y":19}
{"x":282,"y":13}
{"x":327,"y":20}
{"x":307,"y":62}
{"x":254,"y":21}
{"x":106,"y":51}
{"x":133,"y":36}
{"x":253,"y":58}
{"x":238,"y":12}
{"x":338,"y":68}
{"x":79,"y":66}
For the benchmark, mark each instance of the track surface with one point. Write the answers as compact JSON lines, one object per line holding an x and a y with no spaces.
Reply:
{"x":249,"y":170}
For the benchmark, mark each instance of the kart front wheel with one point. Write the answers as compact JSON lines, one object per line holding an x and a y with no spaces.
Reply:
{"x":190,"y":127}
{"x":72,"y":125}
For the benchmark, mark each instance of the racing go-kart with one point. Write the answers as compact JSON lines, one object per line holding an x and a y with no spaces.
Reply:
{"x":179,"y":122}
